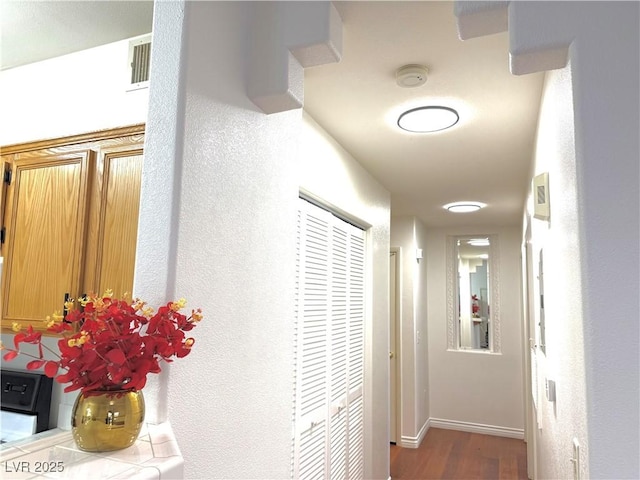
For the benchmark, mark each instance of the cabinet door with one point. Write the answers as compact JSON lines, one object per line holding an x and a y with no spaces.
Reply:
{"x":117,"y":226}
{"x":45,"y":233}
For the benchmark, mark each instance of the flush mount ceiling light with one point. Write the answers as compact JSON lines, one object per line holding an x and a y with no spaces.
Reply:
{"x":428,"y":119}
{"x":464,"y":207}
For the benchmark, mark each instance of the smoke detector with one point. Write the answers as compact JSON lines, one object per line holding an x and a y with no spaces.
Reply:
{"x":411,"y":76}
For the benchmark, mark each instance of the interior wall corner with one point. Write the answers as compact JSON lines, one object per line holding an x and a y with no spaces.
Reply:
{"x":286,"y":38}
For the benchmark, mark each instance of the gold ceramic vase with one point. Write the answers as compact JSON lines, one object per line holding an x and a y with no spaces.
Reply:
{"x":107,"y":420}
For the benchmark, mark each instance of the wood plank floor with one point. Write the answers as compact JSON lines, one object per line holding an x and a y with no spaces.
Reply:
{"x":449,"y":454}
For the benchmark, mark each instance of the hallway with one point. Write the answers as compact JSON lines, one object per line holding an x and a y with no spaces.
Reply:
{"x":450,"y":454}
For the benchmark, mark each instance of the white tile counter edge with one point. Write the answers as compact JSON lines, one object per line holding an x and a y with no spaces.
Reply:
{"x":53,"y":454}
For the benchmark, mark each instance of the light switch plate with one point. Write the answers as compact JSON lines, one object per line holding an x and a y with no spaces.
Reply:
{"x":551,"y":390}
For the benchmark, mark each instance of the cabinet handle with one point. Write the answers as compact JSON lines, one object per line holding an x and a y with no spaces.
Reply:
{"x":64,"y":308}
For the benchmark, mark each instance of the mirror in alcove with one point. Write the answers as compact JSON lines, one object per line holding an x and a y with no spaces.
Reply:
{"x":472,"y":292}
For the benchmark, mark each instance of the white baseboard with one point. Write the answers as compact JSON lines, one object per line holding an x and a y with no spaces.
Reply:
{"x":477,"y":428}
{"x":414,"y":442}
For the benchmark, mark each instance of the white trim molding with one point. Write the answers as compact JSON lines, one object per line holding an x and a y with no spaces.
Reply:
{"x":495,"y":430}
{"x":414,"y":442}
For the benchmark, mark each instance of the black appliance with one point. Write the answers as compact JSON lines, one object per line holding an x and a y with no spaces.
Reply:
{"x":26,"y":402}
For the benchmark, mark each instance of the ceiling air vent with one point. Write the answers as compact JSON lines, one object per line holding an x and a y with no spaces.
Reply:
{"x":139,"y":62}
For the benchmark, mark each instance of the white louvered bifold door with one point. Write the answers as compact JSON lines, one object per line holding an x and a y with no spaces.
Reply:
{"x":355,"y":428}
{"x":329,"y":330}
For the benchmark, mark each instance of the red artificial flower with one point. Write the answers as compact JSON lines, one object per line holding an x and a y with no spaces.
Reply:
{"x":115,"y":346}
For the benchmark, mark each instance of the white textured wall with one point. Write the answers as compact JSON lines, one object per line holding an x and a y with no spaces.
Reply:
{"x":230,"y":401}
{"x":595,"y":220}
{"x":422,"y":299}
{"x":76,"y":93}
{"x":409,"y":234}
{"x":154,"y":276}
{"x":606,"y":70}
{"x":476,"y":388}
{"x":602,"y":41}
{"x":563,"y":362}
{"x":234,"y":178}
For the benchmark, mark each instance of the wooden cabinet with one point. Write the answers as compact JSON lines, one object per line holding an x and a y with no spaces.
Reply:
{"x":70,"y":219}
{"x":44,"y":232}
{"x":113,"y":236}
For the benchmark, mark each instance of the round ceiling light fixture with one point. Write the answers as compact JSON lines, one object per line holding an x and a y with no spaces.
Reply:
{"x":411,"y":76}
{"x":428,"y":119}
{"x":464,"y":207}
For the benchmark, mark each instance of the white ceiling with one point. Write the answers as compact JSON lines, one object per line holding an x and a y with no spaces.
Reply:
{"x":36,"y":30}
{"x":485,"y":157}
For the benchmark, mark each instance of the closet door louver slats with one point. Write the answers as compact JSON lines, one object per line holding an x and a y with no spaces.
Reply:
{"x":315,"y":295}
{"x":356,"y":438}
{"x":339,"y":311}
{"x":312,"y":447}
{"x":328,"y":439}
{"x":338,"y":446}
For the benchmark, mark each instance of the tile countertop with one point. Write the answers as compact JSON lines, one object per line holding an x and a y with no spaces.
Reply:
{"x":155,"y":455}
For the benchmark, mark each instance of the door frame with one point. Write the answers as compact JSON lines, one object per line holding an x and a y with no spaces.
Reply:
{"x":394,"y":327}
{"x":528,"y":350}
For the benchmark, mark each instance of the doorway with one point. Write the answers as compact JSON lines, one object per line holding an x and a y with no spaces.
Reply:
{"x":394,"y":306}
